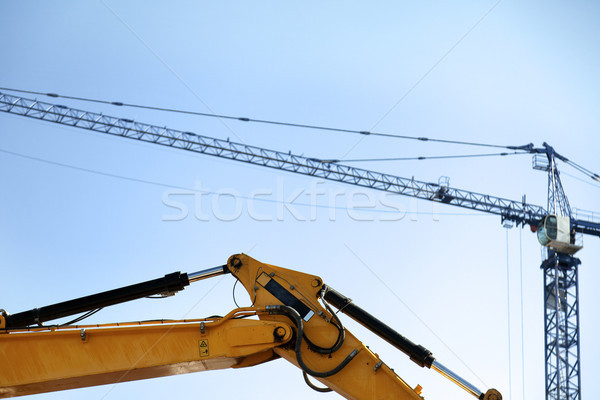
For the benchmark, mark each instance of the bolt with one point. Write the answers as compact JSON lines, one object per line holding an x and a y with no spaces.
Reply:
{"x":279,"y":333}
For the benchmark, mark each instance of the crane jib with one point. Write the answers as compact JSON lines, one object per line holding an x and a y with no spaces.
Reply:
{"x":509,"y":209}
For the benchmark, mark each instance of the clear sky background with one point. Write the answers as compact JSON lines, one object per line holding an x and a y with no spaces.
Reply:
{"x":502,"y":72}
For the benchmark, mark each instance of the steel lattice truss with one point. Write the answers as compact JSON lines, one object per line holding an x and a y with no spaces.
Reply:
{"x":561,"y":310}
{"x":558,"y":203}
{"x":509,"y":210}
{"x":561,"y":305}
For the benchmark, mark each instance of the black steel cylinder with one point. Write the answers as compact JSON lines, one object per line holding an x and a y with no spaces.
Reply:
{"x":170,"y":283}
{"x":417,"y":353}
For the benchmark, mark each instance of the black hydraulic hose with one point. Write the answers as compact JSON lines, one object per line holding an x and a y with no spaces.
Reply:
{"x":313,"y":386}
{"x":339,"y":341}
{"x":170,"y":284}
{"x":417,"y":353}
{"x":297,"y":320}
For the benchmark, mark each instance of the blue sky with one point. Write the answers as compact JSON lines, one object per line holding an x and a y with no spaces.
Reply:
{"x":493,"y":72}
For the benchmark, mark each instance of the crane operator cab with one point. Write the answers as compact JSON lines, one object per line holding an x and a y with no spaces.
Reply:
{"x":554,"y":231}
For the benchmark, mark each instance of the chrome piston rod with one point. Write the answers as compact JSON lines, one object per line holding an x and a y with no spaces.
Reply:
{"x":207,"y":273}
{"x":457,"y":379}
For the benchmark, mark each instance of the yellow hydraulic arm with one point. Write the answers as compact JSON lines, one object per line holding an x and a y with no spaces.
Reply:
{"x":48,"y":359}
{"x":290,"y":318}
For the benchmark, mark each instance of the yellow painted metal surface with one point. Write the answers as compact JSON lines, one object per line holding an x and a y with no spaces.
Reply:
{"x":43,"y":360}
{"x":365,"y":376}
{"x":49,"y":360}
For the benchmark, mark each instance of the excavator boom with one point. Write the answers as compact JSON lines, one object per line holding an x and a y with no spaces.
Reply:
{"x":290,"y":318}
{"x":44,"y":360}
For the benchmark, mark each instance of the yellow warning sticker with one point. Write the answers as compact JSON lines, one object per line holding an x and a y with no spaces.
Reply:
{"x":203,"y":344}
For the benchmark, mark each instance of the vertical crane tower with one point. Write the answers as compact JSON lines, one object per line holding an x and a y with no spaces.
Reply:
{"x":561,"y":287}
{"x":557,"y":229}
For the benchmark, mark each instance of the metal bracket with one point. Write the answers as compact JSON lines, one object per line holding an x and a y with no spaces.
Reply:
{"x":377,"y":366}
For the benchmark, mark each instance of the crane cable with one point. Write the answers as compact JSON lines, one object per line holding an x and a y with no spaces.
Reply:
{"x":508,"y":318}
{"x":262,"y":121}
{"x":522,"y":314}
{"x":333,"y":161}
{"x":213,"y":193}
{"x":584,"y":171}
{"x":522,"y":317}
{"x":524,"y":148}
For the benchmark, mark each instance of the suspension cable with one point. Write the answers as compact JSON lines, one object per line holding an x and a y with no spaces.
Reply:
{"x":508,"y":319}
{"x":522,"y":318}
{"x":332,"y":161}
{"x":262,"y":121}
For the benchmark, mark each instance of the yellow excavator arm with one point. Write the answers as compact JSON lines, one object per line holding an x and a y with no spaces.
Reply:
{"x":42,"y":360}
{"x":290,"y":317}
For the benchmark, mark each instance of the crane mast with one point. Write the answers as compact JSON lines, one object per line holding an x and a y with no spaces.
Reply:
{"x":560,"y":268}
{"x":561,"y":297}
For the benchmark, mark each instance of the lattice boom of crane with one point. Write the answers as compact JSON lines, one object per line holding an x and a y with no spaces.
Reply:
{"x":509,"y":210}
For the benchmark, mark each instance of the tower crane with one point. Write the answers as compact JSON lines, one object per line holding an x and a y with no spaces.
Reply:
{"x":556,"y":226}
